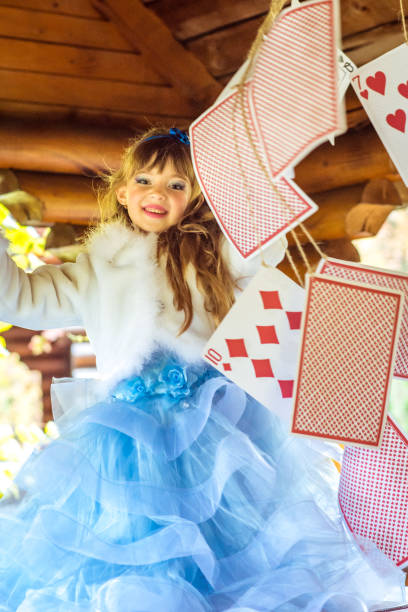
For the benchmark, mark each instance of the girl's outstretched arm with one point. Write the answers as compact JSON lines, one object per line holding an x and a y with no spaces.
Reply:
{"x":48,"y":297}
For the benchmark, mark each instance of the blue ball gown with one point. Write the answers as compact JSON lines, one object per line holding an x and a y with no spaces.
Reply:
{"x":179,"y":493}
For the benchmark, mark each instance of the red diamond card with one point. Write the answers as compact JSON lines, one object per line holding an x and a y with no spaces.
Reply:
{"x":382,"y":86}
{"x":349,"y":341}
{"x":293,"y":92}
{"x":379,"y":278}
{"x":249,"y":210}
{"x":373,"y":493}
{"x":257,"y":342}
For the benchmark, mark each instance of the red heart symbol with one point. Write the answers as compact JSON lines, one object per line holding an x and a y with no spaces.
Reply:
{"x":403,"y":89}
{"x":377,"y":82}
{"x":364,"y":94}
{"x":397,"y":120}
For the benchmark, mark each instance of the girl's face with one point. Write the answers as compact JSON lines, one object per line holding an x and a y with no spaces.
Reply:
{"x":155,"y":200}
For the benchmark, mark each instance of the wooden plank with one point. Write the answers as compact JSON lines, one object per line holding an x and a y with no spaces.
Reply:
{"x":15,"y":109}
{"x":61,"y":146}
{"x":357,"y":157}
{"x":223,"y":52}
{"x":63,"y":29}
{"x":360,"y":15}
{"x":94,"y":94}
{"x":50,"y":58}
{"x":161,"y":50}
{"x":67,"y":198}
{"x":366,"y":46}
{"x":188,"y":19}
{"x":79,"y":8}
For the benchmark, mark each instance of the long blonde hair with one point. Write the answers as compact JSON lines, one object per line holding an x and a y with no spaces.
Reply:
{"x":196,"y":239}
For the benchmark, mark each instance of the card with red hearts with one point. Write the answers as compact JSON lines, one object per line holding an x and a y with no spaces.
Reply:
{"x":294,"y":97}
{"x":380,"y":278}
{"x":256,"y":344}
{"x":346,"y":360}
{"x":250,"y":206}
{"x":373,"y":493}
{"x":382,"y":86}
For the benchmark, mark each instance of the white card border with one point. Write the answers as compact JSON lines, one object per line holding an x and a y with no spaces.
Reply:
{"x":391,"y":361}
{"x":291,"y":183}
{"x":357,"y":264}
{"x":341,"y":107}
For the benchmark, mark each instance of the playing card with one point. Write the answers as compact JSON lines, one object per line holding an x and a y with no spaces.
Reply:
{"x":382,"y":87}
{"x":380,"y":278}
{"x":373,"y":493}
{"x":346,"y":69}
{"x":349,"y":337}
{"x":249,"y":210}
{"x":293,"y":92}
{"x":257,"y":342}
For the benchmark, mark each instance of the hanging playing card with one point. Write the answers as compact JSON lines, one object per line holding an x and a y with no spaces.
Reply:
{"x":293,"y":92}
{"x":249,"y":210}
{"x":382,"y":86}
{"x":346,"y":359}
{"x":373,"y":493}
{"x":379,"y":278}
{"x":256,"y":344}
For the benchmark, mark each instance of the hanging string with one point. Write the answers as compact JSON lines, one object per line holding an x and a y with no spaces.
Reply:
{"x":245,"y":181}
{"x":274,"y":11}
{"x":404,"y":25}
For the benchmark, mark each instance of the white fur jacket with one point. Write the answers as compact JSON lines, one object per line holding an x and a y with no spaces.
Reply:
{"x":119,"y":294}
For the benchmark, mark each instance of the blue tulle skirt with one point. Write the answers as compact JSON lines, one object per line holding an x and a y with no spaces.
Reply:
{"x":179,"y":493}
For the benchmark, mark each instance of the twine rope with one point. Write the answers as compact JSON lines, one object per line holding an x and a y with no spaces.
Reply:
{"x":404,"y":25}
{"x":275,"y":8}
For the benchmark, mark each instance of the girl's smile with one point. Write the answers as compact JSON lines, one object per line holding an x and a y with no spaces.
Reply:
{"x":155,"y":200}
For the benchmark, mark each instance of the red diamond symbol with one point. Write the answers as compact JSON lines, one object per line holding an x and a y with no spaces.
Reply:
{"x":294,"y":319}
{"x":227,"y":367}
{"x":286,"y":387}
{"x":267,"y":334}
{"x":262,"y":368}
{"x":270,"y":299}
{"x":237,"y":348}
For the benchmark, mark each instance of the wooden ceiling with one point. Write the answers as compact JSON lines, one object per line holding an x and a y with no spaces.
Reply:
{"x":125,"y":62}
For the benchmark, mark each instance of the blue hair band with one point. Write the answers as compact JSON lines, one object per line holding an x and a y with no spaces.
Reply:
{"x":175,"y":133}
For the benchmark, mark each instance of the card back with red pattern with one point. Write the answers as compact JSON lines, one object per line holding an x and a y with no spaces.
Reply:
{"x":293,"y":91}
{"x":349,"y":340}
{"x":373,"y":493}
{"x":249,"y":210}
{"x":380,"y":278}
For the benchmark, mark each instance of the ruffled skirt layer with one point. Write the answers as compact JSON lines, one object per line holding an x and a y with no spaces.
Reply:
{"x":178,"y":492}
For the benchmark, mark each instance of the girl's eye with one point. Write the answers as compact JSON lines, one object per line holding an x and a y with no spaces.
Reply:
{"x":178,"y":186}
{"x":142,"y":180}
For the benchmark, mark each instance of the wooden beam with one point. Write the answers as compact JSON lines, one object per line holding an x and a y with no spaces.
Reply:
{"x":141,"y":28}
{"x":45,"y":115}
{"x":50,"y":58}
{"x":59,"y":147}
{"x":62,"y":29}
{"x":366,"y":46}
{"x":367,"y":14}
{"x":188,"y":19}
{"x":78,"y":8}
{"x":72,"y":148}
{"x":93,"y":94}
{"x":67,"y":198}
{"x":356,"y":158}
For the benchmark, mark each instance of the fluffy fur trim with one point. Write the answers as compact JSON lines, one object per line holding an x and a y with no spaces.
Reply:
{"x":118,"y":243}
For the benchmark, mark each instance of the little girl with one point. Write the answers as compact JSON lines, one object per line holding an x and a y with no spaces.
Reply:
{"x":169,"y":488}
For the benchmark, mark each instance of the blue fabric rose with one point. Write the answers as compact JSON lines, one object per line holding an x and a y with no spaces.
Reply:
{"x":174,"y":381}
{"x":130,"y":390}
